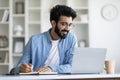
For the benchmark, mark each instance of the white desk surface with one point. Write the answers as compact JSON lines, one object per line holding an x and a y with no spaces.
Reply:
{"x":59,"y":76}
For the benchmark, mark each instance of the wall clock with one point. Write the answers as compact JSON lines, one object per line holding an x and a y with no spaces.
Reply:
{"x":109,"y":12}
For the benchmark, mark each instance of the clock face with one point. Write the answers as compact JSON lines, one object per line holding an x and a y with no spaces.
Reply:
{"x":109,"y":12}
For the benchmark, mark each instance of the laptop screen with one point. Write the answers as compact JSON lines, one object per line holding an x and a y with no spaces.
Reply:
{"x":88,"y":60}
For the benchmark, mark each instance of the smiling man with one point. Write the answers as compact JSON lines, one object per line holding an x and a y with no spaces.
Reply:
{"x":51,"y":51}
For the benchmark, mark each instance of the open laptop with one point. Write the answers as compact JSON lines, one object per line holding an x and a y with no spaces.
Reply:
{"x":88,"y":60}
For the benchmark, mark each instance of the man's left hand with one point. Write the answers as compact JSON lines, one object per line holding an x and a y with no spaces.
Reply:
{"x":44,"y":69}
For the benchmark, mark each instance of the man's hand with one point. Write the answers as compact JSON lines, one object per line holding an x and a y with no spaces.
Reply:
{"x":24,"y":68}
{"x":44,"y":69}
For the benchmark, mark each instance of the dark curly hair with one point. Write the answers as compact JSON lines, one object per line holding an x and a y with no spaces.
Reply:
{"x":61,"y":10}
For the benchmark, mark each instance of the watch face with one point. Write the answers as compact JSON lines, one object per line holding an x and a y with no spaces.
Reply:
{"x":109,"y":12}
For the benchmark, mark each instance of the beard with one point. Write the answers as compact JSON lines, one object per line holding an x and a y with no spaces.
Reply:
{"x":59,"y":33}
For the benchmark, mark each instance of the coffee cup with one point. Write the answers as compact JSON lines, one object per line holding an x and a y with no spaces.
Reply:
{"x":110,"y":66}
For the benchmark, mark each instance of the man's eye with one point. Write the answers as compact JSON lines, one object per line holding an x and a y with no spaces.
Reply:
{"x":64,"y":24}
{"x":70,"y":24}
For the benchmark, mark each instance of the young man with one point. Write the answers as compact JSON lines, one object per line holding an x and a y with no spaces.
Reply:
{"x":51,"y":50}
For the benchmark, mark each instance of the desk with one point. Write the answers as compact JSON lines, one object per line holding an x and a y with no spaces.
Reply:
{"x":62,"y":77}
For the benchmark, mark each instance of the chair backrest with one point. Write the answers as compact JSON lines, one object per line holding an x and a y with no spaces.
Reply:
{"x":12,"y":71}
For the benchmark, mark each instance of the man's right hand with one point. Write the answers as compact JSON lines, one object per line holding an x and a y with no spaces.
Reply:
{"x":24,"y":68}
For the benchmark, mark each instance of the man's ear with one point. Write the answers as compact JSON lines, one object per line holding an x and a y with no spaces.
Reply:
{"x":53,"y":23}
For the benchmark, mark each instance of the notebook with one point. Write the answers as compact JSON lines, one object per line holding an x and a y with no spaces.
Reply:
{"x":37,"y":73}
{"x":88,"y":60}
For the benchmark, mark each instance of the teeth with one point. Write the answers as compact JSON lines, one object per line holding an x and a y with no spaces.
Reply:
{"x":65,"y":32}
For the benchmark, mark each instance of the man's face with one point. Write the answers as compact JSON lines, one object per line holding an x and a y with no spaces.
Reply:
{"x":63,"y":26}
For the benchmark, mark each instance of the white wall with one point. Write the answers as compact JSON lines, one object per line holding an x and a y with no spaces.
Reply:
{"x":103,"y":33}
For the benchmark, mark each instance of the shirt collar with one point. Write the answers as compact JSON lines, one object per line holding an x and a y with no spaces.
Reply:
{"x":49,"y":36}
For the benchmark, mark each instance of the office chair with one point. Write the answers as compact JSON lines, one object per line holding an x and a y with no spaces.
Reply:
{"x":12,"y":71}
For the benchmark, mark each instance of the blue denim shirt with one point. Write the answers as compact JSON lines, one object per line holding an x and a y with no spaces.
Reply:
{"x":38,"y":48}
